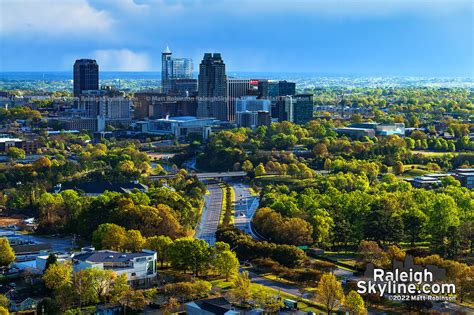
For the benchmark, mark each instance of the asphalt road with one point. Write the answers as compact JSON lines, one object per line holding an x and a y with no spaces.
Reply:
{"x":210,"y":214}
{"x":245,"y":206}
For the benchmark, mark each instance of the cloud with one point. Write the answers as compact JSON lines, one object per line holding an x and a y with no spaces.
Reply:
{"x":52,"y":17}
{"x":122,"y":60}
{"x":325,"y":8}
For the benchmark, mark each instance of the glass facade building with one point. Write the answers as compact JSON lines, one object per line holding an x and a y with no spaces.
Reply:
{"x":86,"y":76}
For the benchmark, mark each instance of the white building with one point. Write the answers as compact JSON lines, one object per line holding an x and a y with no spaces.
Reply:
{"x":140,"y":267}
{"x":180,"y":127}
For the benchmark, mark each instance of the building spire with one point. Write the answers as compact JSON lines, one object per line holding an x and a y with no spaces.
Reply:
{"x":167,"y":50}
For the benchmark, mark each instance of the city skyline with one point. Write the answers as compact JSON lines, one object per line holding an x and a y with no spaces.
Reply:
{"x":400,"y":38}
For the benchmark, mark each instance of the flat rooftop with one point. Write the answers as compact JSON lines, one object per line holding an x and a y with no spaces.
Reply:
{"x":184,"y":118}
{"x":2,"y":140}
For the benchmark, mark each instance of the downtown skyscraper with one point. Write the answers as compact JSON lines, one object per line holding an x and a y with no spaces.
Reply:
{"x":86,"y":76}
{"x":174,"y":69}
{"x":212,"y":87}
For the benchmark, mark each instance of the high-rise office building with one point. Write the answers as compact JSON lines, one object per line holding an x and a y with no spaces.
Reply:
{"x":165,"y":68}
{"x":275,"y":91}
{"x":184,"y":87}
{"x":236,"y":88}
{"x":252,"y":112}
{"x":272,"y":88}
{"x":297,"y":108}
{"x":286,"y":88}
{"x":212,"y":87}
{"x":303,"y":108}
{"x":268,"y":89}
{"x":252,"y":104}
{"x":283,"y":109}
{"x":253,"y":119}
{"x":173,"y":69}
{"x":86,"y":76}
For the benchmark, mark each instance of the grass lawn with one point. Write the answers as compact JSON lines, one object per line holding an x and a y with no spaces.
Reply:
{"x":348,"y":257}
{"x":232,"y":207}
{"x":437,"y":154}
{"x":223,"y":204}
{"x":273,"y":277}
{"x":303,"y":304}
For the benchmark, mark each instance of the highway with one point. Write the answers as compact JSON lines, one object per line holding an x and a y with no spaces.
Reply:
{"x":211,"y":213}
{"x":245,"y":205}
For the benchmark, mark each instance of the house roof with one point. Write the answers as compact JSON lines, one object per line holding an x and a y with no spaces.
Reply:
{"x":102,"y":256}
{"x":218,"y":306}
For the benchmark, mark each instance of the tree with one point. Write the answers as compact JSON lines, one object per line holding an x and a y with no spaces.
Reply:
{"x":354,"y":303}
{"x":119,"y":288}
{"x":83,"y":285}
{"x":15,"y":153}
{"x":449,"y":180}
{"x":443,"y":218}
{"x":42,"y":163}
{"x":4,"y":302}
{"x":58,"y":276}
{"x":356,"y":118}
{"x":260,"y":170}
{"x":247,"y":166}
{"x":185,"y":291}
{"x":4,"y":311}
{"x":370,"y":252}
{"x":159,"y":244}
{"x":101,"y":282}
{"x":189,"y":253}
{"x":329,"y":292}
{"x":267,"y":301}
{"x":7,"y":255}
{"x":134,"y":300}
{"x":109,"y":236}
{"x":414,"y":221}
{"x":171,"y":306}
{"x":241,"y":287}
{"x":134,"y":241}
{"x":51,"y":260}
{"x":226,"y":263}
{"x":327,"y":164}
{"x":398,"y":168}
{"x":320,"y":149}
{"x":463,"y":276}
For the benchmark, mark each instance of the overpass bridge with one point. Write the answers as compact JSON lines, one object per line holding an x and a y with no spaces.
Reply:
{"x":208,"y":175}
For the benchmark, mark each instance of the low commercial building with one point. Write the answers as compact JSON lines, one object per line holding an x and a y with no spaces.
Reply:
{"x":6,"y":143}
{"x":356,"y":133}
{"x":372,"y":129}
{"x":465,"y":176}
{"x":140,"y":267}
{"x":180,"y":127}
{"x":426,"y":181}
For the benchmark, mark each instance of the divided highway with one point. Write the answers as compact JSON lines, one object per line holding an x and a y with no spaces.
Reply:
{"x":244,"y":208}
{"x":211,"y":214}
{"x":245,"y":205}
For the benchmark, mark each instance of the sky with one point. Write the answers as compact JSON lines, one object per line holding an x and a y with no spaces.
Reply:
{"x":326,"y":37}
